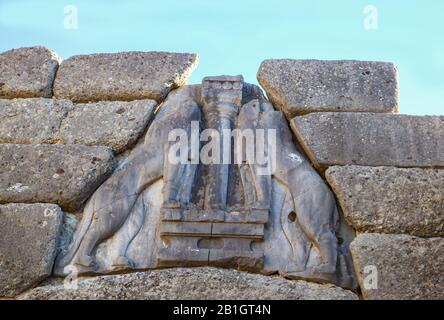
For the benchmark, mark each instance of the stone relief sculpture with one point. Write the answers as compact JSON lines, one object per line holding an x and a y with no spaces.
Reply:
{"x":153,"y":213}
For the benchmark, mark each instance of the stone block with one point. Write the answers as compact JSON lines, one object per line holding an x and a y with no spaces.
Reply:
{"x":398,"y":267}
{"x":62,"y":174}
{"x":371,"y":139}
{"x":28,"y":245}
{"x":115,"y":124}
{"x":298,"y":87}
{"x":32,"y":121}
{"x":27,"y":72}
{"x":197,"y":283}
{"x":391,"y":200}
{"x":122,"y":76}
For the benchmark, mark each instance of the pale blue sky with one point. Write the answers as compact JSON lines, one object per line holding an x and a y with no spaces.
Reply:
{"x":234,"y":36}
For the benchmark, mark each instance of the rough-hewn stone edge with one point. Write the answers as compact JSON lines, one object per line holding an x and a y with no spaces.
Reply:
{"x":182,"y":79}
{"x":307,"y":150}
{"x":53,"y":75}
{"x":272,"y":93}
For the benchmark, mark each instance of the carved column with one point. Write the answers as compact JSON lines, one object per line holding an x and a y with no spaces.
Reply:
{"x":214,"y":232}
{"x":221,"y":98}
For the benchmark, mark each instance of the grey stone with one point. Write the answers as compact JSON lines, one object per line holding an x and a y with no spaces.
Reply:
{"x":31,"y":121}
{"x":27,"y":72}
{"x":399,"y":266}
{"x":69,"y":227}
{"x":114,"y":124}
{"x":204,"y":215}
{"x":122,"y":76}
{"x":253,"y":230}
{"x":193,"y":284}
{"x":186,"y":228}
{"x":121,"y":198}
{"x":391,"y":200}
{"x":133,"y":246}
{"x":298,"y":87}
{"x":28,"y":243}
{"x":371,"y":139}
{"x":61,"y":174}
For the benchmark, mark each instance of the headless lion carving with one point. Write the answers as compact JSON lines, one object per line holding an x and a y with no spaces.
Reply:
{"x":312,"y":201}
{"x":109,"y":207}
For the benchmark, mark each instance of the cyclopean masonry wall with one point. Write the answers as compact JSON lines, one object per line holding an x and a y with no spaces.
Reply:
{"x":385,"y":169}
{"x":354,"y":208}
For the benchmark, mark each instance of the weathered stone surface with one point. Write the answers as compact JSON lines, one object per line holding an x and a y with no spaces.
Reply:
{"x":27,"y":72}
{"x":37,"y":120}
{"x":407,"y":267}
{"x":298,"y":87}
{"x":195,"y":284}
{"x":122,"y":76}
{"x":28,"y":241}
{"x":213,"y":215}
{"x":371,"y":139}
{"x":61,"y":174}
{"x":391,"y":200}
{"x":115,"y":124}
{"x":69,"y":226}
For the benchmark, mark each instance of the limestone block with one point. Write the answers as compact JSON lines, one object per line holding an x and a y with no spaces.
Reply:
{"x":122,"y":76}
{"x":193,"y":284}
{"x":31,"y":121}
{"x":115,"y":124}
{"x":399,"y":266}
{"x":28,"y":243}
{"x":61,"y":174}
{"x":299,"y":87}
{"x":371,"y":139}
{"x":27,"y":72}
{"x":391,"y":200}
